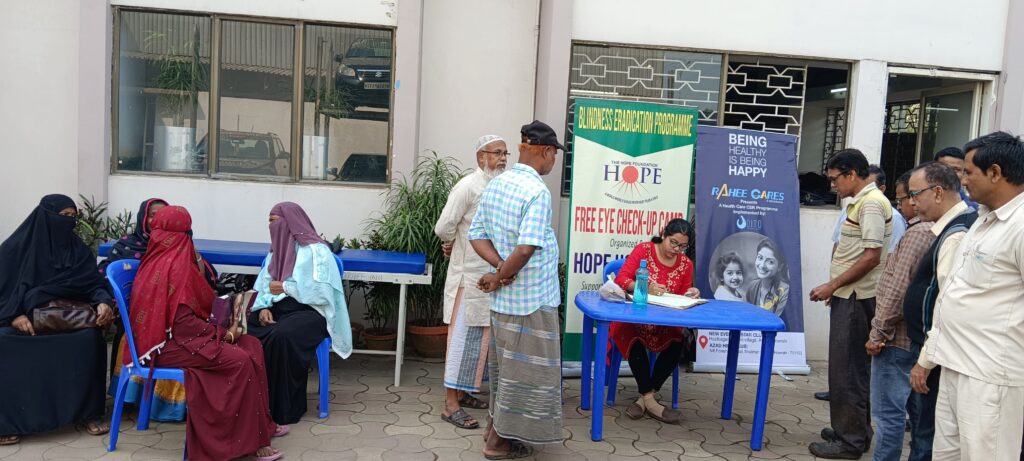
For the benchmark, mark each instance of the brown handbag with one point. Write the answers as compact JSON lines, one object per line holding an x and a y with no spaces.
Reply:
{"x":61,"y":316}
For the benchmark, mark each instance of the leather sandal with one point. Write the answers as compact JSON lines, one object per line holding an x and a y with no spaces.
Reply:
{"x":635,"y":411}
{"x":461,"y":420}
{"x":516,"y":450}
{"x":469,"y":401}
{"x":668,"y":416}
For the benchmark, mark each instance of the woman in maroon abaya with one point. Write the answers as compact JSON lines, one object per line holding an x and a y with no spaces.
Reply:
{"x":225,"y":378}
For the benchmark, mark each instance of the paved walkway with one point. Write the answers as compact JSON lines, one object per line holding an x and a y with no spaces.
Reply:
{"x":370,"y":419}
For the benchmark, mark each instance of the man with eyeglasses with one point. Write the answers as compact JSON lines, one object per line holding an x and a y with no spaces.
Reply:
{"x":933,"y":192}
{"x":856,"y":265}
{"x":467,"y":310}
{"x":953,"y":157}
{"x":977,"y":325}
{"x":893,"y":354}
{"x":512,"y":232}
{"x":899,"y":227}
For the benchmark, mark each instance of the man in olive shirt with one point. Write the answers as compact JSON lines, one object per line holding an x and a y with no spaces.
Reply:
{"x":856,"y":264}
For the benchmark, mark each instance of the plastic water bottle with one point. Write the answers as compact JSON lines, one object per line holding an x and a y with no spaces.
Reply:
{"x":640,"y":289}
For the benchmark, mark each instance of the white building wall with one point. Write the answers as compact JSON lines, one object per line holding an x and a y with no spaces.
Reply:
{"x":479,"y":62}
{"x":374,"y":12}
{"x":39,"y":107}
{"x":946,"y":33}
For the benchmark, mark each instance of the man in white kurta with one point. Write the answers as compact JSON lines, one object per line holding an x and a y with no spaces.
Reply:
{"x":977,"y":333}
{"x":467,"y":310}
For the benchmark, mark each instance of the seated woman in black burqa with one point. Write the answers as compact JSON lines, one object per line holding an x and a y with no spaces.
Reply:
{"x":48,"y":381}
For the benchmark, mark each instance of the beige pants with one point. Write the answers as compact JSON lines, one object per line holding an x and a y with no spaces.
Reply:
{"x":976,"y":420}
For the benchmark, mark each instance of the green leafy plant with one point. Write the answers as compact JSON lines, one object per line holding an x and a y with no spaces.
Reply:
{"x":334,"y":102}
{"x":91,"y":225}
{"x":182,"y":73}
{"x":95,"y":227}
{"x":412,"y":206}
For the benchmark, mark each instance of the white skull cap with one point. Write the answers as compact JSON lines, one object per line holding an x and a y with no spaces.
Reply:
{"x":485,"y":140}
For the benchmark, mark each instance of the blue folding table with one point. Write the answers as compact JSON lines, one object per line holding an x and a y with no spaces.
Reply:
{"x":403,"y":269}
{"x":716,"y":315}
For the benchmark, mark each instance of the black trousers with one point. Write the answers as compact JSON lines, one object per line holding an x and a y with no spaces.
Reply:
{"x":288,"y":347}
{"x":921,"y":408}
{"x":849,"y":371}
{"x":651,"y":380}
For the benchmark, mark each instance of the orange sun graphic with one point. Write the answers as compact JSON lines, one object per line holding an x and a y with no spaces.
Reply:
{"x":630,"y":176}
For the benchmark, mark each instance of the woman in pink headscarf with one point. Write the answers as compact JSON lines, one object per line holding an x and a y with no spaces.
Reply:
{"x":300,"y":302}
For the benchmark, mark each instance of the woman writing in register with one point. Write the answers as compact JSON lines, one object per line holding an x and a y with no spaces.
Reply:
{"x":671,"y":271}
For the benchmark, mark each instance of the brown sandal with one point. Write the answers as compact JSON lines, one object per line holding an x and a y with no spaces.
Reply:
{"x":668,"y":416}
{"x":515,"y":451}
{"x":635,"y":411}
{"x":469,"y":401}
{"x":97,"y":428}
{"x":461,"y":420}
{"x":9,"y":440}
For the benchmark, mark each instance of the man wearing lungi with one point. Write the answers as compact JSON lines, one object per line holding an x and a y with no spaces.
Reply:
{"x":512,"y":231}
{"x":467,"y":309}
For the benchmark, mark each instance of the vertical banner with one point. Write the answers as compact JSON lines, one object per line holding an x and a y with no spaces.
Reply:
{"x":748,"y":240}
{"x":631,"y":169}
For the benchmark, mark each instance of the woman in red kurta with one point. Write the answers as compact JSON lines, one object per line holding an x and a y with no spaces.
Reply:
{"x":225,"y":379}
{"x":671,"y":271}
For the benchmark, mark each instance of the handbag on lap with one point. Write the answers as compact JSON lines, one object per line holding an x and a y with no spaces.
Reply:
{"x":233,"y":306}
{"x":63,"y":315}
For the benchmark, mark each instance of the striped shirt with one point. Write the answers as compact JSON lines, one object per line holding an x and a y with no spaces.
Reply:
{"x":888,"y":325}
{"x":515,"y":209}
{"x":868,"y":225}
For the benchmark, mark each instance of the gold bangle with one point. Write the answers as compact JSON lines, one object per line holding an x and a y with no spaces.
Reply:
{"x":232,"y":336}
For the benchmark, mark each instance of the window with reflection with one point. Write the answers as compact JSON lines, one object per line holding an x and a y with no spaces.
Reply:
{"x":163,"y":91}
{"x":346,"y":101}
{"x":256,"y":92}
{"x":328,"y":120}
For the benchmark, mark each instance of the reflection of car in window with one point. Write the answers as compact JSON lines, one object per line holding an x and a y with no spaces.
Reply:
{"x":364,"y":168}
{"x":248,"y":153}
{"x":365,"y":72}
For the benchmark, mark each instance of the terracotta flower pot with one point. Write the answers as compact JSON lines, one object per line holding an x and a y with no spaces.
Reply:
{"x":357,"y":334}
{"x":429,"y":342}
{"x":380,"y":340}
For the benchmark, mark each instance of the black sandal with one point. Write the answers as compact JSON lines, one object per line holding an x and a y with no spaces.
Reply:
{"x":461,"y":420}
{"x":472,"y":402}
{"x":516,"y":450}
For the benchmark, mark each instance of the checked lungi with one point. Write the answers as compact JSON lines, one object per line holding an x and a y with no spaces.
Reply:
{"x":526,"y":376}
{"x":466,"y":360}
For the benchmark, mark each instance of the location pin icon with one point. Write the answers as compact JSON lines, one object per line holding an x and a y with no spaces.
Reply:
{"x":703,"y":341}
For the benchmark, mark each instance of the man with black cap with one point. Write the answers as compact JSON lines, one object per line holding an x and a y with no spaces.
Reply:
{"x":512,"y":232}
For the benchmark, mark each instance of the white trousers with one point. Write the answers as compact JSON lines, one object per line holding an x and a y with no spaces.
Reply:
{"x":976,"y":420}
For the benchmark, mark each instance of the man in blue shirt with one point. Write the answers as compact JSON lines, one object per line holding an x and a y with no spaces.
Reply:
{"x":953,"y":157}
{"x":512,"y":232}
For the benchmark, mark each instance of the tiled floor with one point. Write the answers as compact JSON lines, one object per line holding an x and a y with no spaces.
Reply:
{"x":371,"y":419}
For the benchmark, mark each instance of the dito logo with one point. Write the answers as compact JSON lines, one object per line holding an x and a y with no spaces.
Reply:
{"x":741,"y":223}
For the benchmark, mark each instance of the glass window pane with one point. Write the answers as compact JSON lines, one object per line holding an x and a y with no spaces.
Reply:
{"x":947,"y":122}
{"x":346,"y":104}
{"x":256,"y":65}
{"x":163,"y":91}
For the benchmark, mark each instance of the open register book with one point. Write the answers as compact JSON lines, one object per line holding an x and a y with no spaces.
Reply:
{"x":674,"y":301}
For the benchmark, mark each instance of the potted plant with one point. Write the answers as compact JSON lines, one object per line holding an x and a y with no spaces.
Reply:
{"x":181,"y":76}
{"x":381,"y":306}
{"x":411,"y":208}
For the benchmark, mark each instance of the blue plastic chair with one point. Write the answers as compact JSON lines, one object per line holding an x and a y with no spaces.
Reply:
{"x":611,"y":378}
{"x":323,"y":357}
{"x":121,"y":275}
